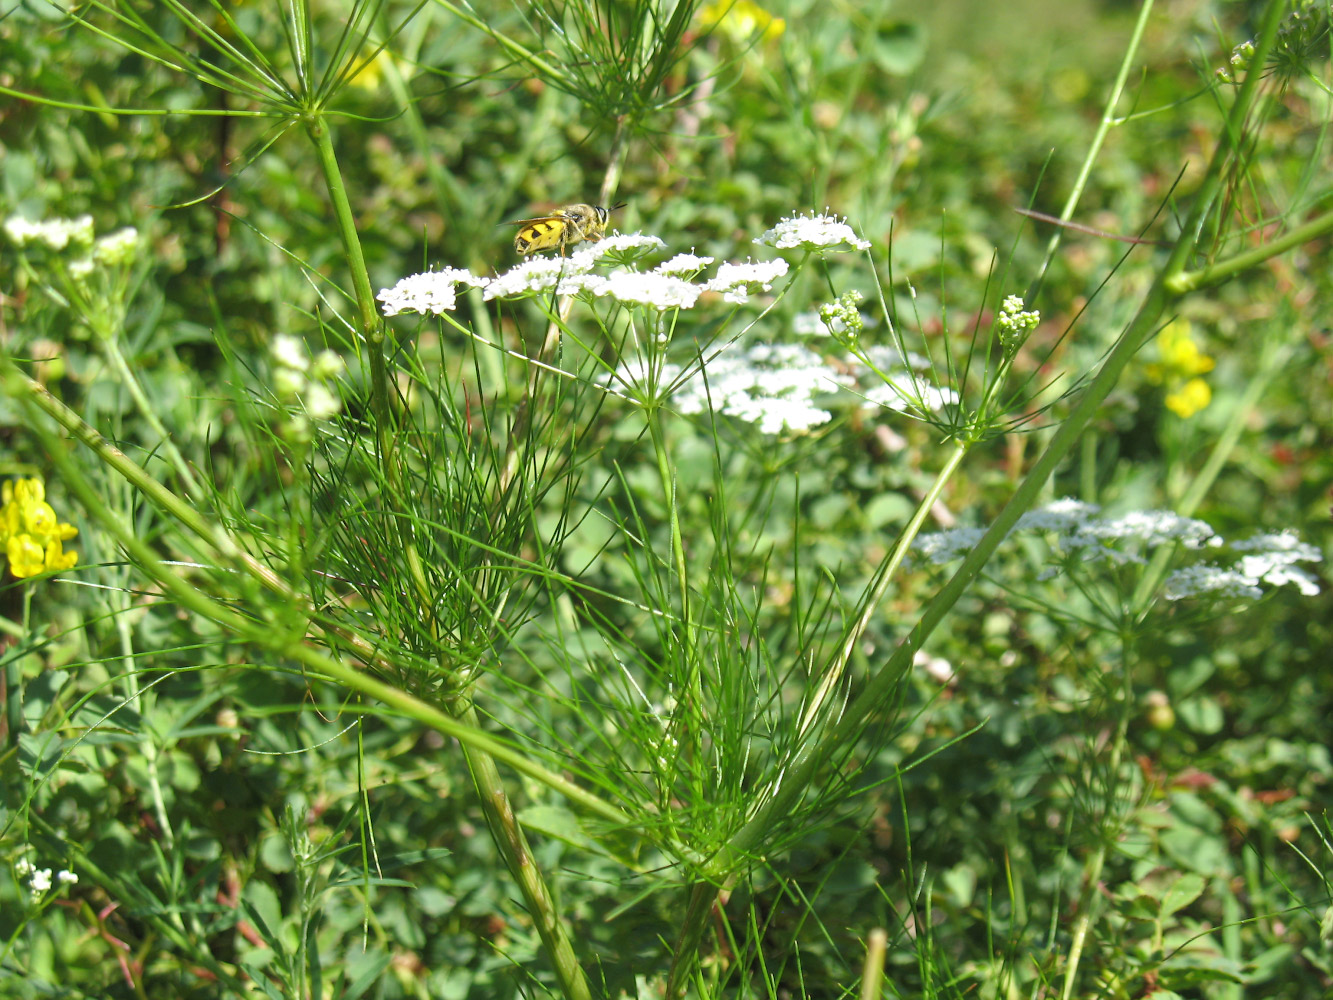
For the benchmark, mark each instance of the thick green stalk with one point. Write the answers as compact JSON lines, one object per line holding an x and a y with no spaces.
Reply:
{"x":509,"y":838}
{"x":33,"y":397}
{"x":513,"y":845}
{"x":371,"y":326}
{"x":1222,"y":271}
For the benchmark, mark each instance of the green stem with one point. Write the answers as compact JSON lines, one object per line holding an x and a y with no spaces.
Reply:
{"x":1092,"y":873}
{"x":372,"y":327}
{"x":692,"y":686}
{"x":872,"y":972}
{"x":539,"y":66}
{"x":791,"y":782}
{"x":885,"y":576}
{"x":615,"y":162}
{"x":1098,"y":139}
{"x":1090,"y":894}
{"x":513,"y":846}
{"x":1222,"y":271}
{"x":110,"y":344}
{"x":14,"y":676}
{"x":135,"y":698}
{"x":32,"y":396}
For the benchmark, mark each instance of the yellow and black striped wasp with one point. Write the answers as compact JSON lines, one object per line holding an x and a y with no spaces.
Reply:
{"x":562,"y":228}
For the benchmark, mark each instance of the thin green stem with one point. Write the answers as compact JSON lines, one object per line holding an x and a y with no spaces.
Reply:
{"x":885,"y":576}
{"x":14,"y":676}
{"x":1090,"y":893}
{"x":872,"y":972}
{"x":135,"y":698}
{"x":1099,"y":138}
{"x":109,"y":339}
{"x":1092,"y":873}
{"x":666,"y":476}
{"x":615,"y":162}
{"x":1222,"y":271}
{"x":792,"y":782}
{"x":540,"y":66}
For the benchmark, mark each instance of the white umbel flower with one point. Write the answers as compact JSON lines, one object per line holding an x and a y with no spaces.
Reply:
{"x":660,"y":291}
{"x":734,"y":280}
{"x":814,"y":233}
{"x":55,"y":234}
{"x":432,"y":292}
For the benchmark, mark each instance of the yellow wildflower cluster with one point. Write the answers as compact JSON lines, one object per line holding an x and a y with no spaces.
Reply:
{"x":742,"y":20}
{"x":1179,"y":369}
{"x":29,"y":532}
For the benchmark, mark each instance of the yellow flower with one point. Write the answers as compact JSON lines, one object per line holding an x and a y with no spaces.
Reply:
{"x":31,"y":534}
{"x":1179,"y":369}
{"x":741,"y":20}
{"x":26,"y":557}
{"x":1190,"y":398}
{"x":370,"y":72}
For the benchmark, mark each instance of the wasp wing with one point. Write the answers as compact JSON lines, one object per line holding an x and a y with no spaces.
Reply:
{"x":529,"y":222}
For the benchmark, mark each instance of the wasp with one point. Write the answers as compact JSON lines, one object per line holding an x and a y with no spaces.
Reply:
{"x":562,"y":228}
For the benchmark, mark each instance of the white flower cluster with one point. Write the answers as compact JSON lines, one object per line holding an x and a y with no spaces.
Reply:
{"x":772,"y":386}
{"x":430,"y":292}
{"x":304,"y":383}
{"x":664,"y":287}
{"x":39,"y":879}
{"x":734,"y":280}
{"x":113,"y":250}
{"x":116,"y":248}
{"x":684,"y":264}
{"x":658,"y":291}
{"x":1079,"y":530}
{"x":624,"y":248}
{"x":775,"y":385}
{"x":1271,"y":559}
{"x":813,"y":233}
{"x":54,"y":234}
{"x":1014,"y":324}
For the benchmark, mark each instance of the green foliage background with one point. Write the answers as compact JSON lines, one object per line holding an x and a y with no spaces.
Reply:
{"x":982,"y":796}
